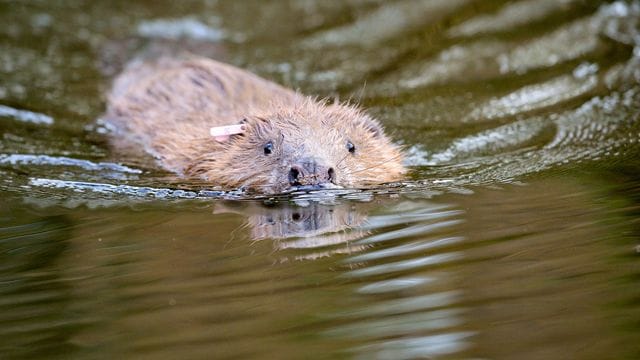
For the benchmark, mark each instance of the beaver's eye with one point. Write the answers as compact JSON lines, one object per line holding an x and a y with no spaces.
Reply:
{"x":268,"y":148}
{"x":351,"y":147}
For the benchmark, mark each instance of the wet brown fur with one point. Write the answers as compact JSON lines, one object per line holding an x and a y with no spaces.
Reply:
{"x":168,"y":106}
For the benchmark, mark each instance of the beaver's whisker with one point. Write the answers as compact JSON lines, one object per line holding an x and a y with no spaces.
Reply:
{"x":341,"y":160}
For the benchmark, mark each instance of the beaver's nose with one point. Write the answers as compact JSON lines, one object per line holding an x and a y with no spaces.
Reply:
{"x":310,"y":172}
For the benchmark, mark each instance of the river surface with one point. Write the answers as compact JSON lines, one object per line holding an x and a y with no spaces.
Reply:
{"x":517,"y":235}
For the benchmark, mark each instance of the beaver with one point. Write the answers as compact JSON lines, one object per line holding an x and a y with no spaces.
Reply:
{"x":285,"y":140}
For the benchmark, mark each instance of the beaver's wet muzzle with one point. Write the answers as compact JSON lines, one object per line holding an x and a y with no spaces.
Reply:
{"x":310,"y":171}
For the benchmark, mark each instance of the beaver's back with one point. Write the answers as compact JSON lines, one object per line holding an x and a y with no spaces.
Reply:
{"x":169,"y":104}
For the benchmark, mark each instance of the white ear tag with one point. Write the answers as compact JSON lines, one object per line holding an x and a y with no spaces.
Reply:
{"x":223,"y":133}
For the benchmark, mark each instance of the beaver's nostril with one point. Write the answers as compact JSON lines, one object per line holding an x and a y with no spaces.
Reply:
{"x":294,"y":173}
{"x":310,"y":173}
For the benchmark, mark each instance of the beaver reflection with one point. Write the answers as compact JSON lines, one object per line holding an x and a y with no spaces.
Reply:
{"x":323,"y":229}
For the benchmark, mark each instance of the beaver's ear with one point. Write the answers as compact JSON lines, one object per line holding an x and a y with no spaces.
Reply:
{"x":254,"y":120}
{"x":372,"y":125}
{"x":344,"y":111}
{"x":257,"y":125}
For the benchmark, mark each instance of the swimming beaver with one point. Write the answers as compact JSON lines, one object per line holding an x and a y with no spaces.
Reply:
{"x":287,"y":140}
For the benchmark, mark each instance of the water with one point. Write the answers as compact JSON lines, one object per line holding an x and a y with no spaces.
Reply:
{"x":515,"y":237}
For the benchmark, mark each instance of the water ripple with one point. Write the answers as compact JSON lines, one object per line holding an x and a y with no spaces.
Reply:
{"x":405,"y":265}
{"x":409,"y":231}
{"x":397,"y":17}
{"x":419,"y":215}
{"x":405,"y":249}
{"x":393,"y":285}
{"x":538,"y":96}
{"x":109,"y":189}
{"x":567,"y":43}
{"x":26,"y":116}
{"x":412,"y":304}
{"x":400,"y":325}
{"x":422,"y":347}
{"x":179,"y":29}
{"x":510,"y":16}
{"x":24,"y":159}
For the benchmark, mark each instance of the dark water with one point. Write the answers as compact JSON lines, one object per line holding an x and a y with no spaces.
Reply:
{"x":517,"y":237}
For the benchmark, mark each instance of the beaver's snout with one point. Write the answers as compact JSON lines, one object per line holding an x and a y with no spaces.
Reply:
{"x":310,"y":172}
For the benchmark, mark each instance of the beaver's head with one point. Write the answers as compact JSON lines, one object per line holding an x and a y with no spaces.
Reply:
{"x":310,"y":145}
